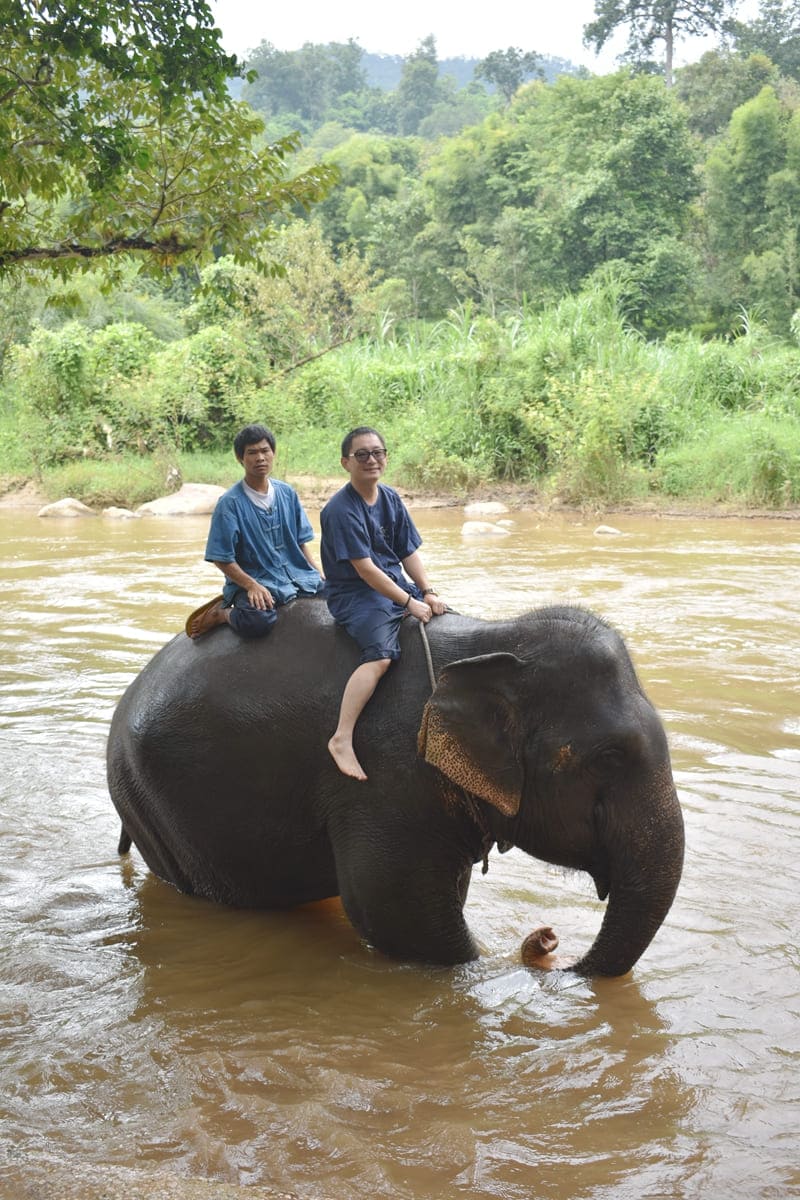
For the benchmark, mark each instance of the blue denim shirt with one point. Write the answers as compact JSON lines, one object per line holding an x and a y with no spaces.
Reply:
{"x":265,"y":544}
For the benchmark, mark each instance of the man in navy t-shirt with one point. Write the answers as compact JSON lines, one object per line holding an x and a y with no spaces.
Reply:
{"x":259,"y":539}
{"x":374,"y":578}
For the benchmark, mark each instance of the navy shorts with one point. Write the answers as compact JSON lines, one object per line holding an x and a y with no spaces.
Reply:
{"x":373,"y":622}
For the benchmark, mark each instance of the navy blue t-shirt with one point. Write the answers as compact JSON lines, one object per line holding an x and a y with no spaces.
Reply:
{"x":351,"y":528}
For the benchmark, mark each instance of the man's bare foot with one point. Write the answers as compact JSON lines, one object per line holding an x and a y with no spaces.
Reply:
{"x":205,"y":618}
{"x":538,"y":946}
{"x":343,"y":754}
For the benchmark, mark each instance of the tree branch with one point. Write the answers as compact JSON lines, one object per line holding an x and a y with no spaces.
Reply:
{"x":168,"y":246}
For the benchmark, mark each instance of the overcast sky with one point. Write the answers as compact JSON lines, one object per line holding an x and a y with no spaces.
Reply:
{"x":468,"y":28}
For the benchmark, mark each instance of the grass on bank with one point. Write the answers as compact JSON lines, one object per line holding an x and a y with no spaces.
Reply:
{"x":567,"y":401}
{"x":753,"y":461}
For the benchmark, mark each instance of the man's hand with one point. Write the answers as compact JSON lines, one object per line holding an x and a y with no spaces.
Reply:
{"x":259,"y":596}
{"x":420,"y":610}
{"x":437,"y":606}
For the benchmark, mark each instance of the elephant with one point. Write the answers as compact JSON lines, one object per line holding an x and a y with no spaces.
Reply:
{"x":532,"y":732}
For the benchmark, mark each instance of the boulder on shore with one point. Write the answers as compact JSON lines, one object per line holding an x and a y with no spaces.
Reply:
{"x":122,"y":514}
{"x":68,"y":507}
{"x":483,"y":529}
{"x":192,"y":500}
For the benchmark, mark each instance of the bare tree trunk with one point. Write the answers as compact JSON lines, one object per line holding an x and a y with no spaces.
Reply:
{"x":669,"y":47}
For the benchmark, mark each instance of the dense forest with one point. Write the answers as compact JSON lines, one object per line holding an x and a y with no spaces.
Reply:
{"x":518,"y":269}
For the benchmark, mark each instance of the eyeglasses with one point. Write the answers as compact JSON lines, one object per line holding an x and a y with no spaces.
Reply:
{"x":363,"y":456}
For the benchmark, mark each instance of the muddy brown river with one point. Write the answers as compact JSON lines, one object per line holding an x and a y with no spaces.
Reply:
{"x":147,"y":1036}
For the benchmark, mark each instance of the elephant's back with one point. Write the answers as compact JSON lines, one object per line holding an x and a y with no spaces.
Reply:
{"x":222,"y":673}
{"x":209,"y":758}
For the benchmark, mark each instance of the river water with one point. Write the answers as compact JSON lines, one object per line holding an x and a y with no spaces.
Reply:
{"x":150,"y":1036}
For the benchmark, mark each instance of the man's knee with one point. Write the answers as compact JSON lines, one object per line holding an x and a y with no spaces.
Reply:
{"x":385,"y":655}
{"x":250,"y":622}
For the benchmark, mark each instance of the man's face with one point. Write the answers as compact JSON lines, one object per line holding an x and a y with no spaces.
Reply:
{"x":367,"y":458}
{"x":257,"y":462}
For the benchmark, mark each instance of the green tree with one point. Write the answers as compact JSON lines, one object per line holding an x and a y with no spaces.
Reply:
{"x":775,"y":32}
{"x":718,"y":83}
{"x":419,"y":87}
{"x":171,"y":45}
{"x":570,"y":177}
{"x":118,"y":137}
{"x":508,"y":69}
{"x":456,"y":110}
{"x":652,"y":21}
{"x":318,"y":301}
{"x":753,"y":211}
{"x":309,"y":82}
{"x":370,"y":168}
{"x":405,"y":244}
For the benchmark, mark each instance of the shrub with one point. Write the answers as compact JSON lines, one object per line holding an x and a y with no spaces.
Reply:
{"x":198,"y":391}
{"x":754,"y":459}
{"x":595,"y":440}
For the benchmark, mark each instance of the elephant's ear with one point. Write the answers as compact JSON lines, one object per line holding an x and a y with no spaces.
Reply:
{"x":470,"y":729}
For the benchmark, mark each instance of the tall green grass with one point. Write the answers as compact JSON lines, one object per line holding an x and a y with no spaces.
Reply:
{"x":568,"y":399}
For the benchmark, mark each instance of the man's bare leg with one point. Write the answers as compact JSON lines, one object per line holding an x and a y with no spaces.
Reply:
{"x":359,"y":689}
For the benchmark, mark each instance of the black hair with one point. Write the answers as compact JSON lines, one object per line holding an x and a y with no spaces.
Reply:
{"x":249,"y":436}
{"x":354,"y":433}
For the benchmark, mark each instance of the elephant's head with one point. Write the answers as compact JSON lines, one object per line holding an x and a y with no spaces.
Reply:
{"x":571,"y":759}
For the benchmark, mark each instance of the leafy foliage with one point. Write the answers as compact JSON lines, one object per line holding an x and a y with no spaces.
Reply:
{"x":753,"y":179}
{"x":118,"y":137}
{"x":309,"y":82}
{"x":509,"y":69}
{"x":719,"y":83}
{"x":775,"y":32}
{"x":651,"y":21}
{"x":533,"y":201}
{"x":171,"y":45}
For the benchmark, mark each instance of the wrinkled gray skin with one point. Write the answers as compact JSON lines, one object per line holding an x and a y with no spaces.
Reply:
{"x":218,"y":767}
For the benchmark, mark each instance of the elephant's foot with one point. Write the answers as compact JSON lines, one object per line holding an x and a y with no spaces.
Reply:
{"x":538,"y":947}
{"x":343,"y":754}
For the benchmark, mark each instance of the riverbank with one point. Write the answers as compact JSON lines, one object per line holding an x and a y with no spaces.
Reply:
{"x":315,"y":491}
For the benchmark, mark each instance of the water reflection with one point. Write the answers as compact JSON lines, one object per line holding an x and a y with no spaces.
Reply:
{"x":143,"y":1028}
{"x":273,"y":1019}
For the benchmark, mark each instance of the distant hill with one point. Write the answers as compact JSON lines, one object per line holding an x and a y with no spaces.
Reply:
{"x":384,"y":70}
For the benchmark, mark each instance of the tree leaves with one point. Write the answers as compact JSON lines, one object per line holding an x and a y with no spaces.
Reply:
{"x":651,"y":21}
{"x":118,"y":137}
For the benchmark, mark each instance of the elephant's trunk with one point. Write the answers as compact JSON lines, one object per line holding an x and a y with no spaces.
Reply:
{"x":642,"y":886}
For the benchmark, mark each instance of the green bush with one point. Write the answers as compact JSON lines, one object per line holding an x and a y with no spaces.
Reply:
{"x":567,"y":397}
{"x":598,"y":443}
{"x":123,"y":480}
{"x":196,"y":392}
{"x":753,"y":459}
{"x":312,"y":393}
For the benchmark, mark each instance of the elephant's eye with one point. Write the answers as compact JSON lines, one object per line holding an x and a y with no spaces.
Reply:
{"x":609,"y":758}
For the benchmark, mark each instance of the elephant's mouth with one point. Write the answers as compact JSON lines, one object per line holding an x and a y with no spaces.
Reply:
{"x":600,"y":872}
{"x":601,"y":884}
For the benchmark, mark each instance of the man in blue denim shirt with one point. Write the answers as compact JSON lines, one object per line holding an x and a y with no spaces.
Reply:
{"x":259,"y":540}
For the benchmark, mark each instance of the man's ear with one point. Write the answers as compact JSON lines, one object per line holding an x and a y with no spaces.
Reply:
{"x":470,"y":729}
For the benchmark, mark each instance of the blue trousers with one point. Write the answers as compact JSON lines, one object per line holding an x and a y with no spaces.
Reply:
{"x":250,"y":622}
